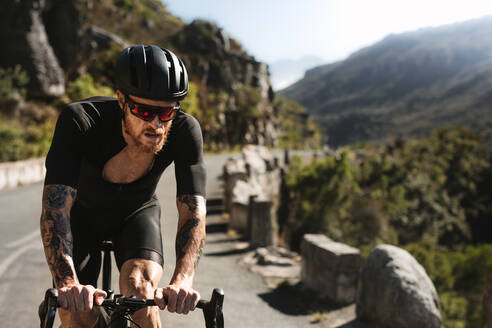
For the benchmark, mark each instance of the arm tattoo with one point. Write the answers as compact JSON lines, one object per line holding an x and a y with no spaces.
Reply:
{"x":190,"y":238}
{"x":56,"y":196}
{"x":199,"y":253}
{"x":55,"y":231}
{"x":190,"y":201}
{"x":184,"y":236}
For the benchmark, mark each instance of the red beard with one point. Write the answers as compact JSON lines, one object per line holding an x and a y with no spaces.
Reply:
{"x":132,"y":132}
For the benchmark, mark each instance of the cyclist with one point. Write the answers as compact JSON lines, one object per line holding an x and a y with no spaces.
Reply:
{"x":105,"y":161}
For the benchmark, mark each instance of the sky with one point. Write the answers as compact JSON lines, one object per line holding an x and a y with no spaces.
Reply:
{"x":272,"y":30}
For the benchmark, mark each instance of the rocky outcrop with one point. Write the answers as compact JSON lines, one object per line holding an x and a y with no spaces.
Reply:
{"x":63,"y":24}
{"x":224,"y":67}
{"x":95,"y":38}
{"x":395,"y":291}
{"x":47,"y":38}
{"x":26,"y":43}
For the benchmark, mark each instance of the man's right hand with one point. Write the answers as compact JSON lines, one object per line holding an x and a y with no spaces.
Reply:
{"x":80,"y":298}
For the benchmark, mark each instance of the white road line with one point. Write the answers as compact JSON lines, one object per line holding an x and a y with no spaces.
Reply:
{"x":7,"y":262}
{"x":24,"y":240}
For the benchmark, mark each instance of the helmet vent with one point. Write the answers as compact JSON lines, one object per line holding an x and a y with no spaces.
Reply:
{"x":172,"y":68}
{"x":182,"y":75}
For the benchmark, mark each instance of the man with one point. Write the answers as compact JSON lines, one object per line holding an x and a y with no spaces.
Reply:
{"x":103,"y":167}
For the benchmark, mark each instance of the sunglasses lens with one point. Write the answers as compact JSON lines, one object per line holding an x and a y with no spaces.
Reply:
{"x":143,"y":113}
{"x":167,"y":114}
{"x":147,"y":113}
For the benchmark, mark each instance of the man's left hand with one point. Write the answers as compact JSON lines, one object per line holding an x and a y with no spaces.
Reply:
{"x":179,"y":299}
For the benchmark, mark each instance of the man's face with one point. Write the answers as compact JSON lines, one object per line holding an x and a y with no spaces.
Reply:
{"x":147,"y":136}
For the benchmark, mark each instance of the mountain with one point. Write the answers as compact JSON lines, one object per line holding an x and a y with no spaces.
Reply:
{"x":284,"y":72}
{"x":405,"y":85}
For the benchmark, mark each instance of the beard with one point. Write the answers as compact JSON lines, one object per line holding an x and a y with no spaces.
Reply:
{"x":132,"y":131}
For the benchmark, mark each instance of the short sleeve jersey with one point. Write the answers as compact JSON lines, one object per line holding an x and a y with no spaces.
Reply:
{"x":88,"y":133}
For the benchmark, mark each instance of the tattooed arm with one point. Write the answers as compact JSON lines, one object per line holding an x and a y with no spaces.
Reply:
{"x":190,"y":237}
{"x":57,"y":241}
{"x":190,"y":240}
{"x":56,"y":233}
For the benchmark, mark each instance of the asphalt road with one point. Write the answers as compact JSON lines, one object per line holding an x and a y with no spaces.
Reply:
{"x":24,"y":275}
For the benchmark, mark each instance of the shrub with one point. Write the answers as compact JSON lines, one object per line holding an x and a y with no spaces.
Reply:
{"x":297,"y":131}
{"x":191,"y":103}
{"x":460,"y":277}
{"x":102,"y":65}
{"x":247,"y":101}
{"x":13,"y":82}
{"x":18,"y":142}
{"x":84,"y":87}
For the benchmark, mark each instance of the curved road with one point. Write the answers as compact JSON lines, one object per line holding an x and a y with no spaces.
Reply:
{"x":24,"y":275}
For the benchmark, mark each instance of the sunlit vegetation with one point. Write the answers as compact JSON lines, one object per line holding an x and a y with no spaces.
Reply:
{"x":84,"y":87}
{"x":102,"y":65}
{"x":431,"y":196}
{"x":297,"y":129}
{"x":18,"y":141}
{"x":13,"y":82}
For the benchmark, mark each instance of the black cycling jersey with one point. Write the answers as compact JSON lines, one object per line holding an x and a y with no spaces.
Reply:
{"x":87,"y":134}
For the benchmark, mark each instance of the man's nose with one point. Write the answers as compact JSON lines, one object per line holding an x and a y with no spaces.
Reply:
{"x":156,"y":122}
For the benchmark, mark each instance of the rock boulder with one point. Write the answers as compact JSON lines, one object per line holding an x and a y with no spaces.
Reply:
{"x":395,"y":291}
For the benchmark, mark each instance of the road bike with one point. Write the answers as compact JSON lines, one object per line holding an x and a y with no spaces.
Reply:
{"x":116,"y":310}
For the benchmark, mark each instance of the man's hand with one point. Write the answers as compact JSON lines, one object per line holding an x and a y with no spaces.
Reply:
{"x":80,"y":298}
{"x":179,"y":299}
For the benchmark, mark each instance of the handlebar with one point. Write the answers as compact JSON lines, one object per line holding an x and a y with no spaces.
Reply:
{"x":135,"y":304}
{"x":212,"y":310}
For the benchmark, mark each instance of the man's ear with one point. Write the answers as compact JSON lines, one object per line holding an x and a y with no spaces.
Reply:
{"x":121,"y":102}
{"x":121,"y":98}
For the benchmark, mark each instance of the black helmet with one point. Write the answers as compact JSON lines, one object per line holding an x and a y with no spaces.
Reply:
{"x":151,"y":72}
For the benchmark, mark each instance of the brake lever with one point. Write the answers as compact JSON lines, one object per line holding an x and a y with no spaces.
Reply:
{"x":212,"y":311}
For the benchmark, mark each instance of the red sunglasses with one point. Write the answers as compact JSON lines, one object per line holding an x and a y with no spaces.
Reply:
{"x":148,"y":112}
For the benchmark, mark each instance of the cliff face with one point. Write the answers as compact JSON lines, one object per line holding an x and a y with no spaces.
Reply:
{"x":56,"y":41}
{"x":26,"y":42}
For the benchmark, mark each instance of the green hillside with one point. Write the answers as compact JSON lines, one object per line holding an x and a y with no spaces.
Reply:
{"x":405,"y":85}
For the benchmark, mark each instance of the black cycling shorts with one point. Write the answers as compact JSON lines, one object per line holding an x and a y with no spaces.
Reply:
{"x":137,"y":235}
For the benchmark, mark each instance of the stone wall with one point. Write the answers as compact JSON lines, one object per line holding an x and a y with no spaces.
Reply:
{"x":13,"y":174}
{"x":330,"y":268}
{"x":263,"y":227}
{"x":251,"y":194}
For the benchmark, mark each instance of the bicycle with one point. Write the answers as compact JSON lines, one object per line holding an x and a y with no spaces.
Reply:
{"x":116,"y":310}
